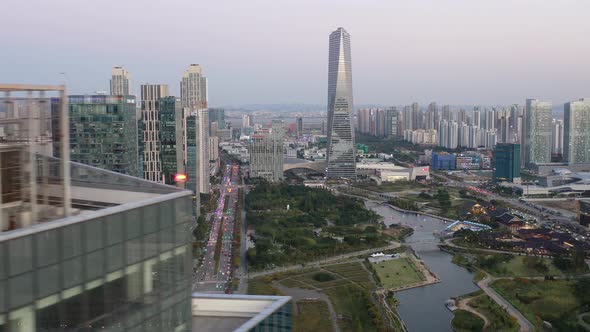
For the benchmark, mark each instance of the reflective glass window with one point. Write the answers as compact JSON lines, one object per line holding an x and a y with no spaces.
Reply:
{"x":47,"y":247}
{"x":20,"y":255}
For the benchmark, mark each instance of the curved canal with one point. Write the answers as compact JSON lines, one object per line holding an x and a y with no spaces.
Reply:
{"x":423,"y":308}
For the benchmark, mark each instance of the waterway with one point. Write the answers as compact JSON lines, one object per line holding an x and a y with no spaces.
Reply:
{"x":423,"y":308}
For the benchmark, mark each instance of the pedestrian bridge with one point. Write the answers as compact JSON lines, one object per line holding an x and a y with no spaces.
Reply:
{"x":317,"y":166}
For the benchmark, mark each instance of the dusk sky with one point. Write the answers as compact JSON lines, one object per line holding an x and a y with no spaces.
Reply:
{"x":276,"y":51}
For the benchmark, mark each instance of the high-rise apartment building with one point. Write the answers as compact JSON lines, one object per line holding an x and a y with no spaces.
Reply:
{"x":120,"y":82}
{"x":193,"y":93}
{"x":299,"y":127}
{"x":103,"y":132}
{"x":536,"y":137}
{"x":247,"y":121}
{"x":507,"y":162}
{"x":150,"y":98}
{"x":416,"y":116}
{"x":557,"y":137}
{"x":193,"y":88}
{"x":341,"y":150}
{"x":576,"y":142}
{"x":266,"y":153}
{"x":431,"y":116}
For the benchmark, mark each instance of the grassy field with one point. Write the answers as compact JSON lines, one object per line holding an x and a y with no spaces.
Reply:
{"x":351,"y":302}
{"x":499,"y":319}
{"x":540,"y":300}
{"x":262,"y":286}
{"x":516,"y":267}
{"x":312,"y":316}
{"x":464,"y":321}
{"x":399,"y":272}
{"x":348,"y":289}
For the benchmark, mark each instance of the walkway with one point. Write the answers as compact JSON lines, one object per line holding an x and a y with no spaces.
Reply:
{"x":463,"y":304}
{"x":323,"y":261}
{"x":525,"y":324}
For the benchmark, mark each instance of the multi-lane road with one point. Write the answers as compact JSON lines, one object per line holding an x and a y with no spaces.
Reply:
{"x":216,"y":271}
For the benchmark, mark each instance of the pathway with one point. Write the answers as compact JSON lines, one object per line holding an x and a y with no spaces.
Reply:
{"x":463,"y":304}
{"x":323,"y":261}
{"x":525,"y":324}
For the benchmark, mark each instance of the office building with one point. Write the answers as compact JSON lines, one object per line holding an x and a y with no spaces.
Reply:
{"x":266,"y":153}
{"x":120,"y":82}
{"x":299,"y":127}
{"x":217,"y":115}
{"x":172,"y":138}
{"x":103,"y":132}
{"x":576,"y":141}
{"x":150,"y":97}
{"x":341,"y":152}
{"x":443,"y":161}
{"x":193,"y":88}
{"x":536,"y":139}
{"x":198,"y":156}
{"x":95,"y":249}
{"x":507,"y":162}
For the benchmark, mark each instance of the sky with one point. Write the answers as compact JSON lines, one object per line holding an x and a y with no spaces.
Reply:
{"x":458,"y":52}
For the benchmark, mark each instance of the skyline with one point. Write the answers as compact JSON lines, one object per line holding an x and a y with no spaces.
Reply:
{"x":456,"y":52}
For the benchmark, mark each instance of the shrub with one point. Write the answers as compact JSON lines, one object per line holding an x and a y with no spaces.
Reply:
{"x":323,"y":276}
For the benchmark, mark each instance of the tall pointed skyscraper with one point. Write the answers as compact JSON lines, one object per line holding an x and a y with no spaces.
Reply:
{"x":341,"y":150}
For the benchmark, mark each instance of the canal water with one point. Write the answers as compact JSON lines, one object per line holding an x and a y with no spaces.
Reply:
{"x":423,"y":308}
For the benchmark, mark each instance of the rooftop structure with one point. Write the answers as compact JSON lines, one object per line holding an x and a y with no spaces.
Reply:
{"x":240,"y":313}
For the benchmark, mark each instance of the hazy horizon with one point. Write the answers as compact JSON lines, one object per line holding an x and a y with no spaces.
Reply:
{"x":456,"y":52}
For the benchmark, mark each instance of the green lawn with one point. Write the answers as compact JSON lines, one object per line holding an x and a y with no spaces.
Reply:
{"x":349,"y":293}
{"x":352,"y":303}
{"x":499,"y":319}
{"x":464,"y":321}
{"x":517,"y":267}
{"x":399,"y":272}
{"x":262,"y":286}
{"x":540,"y":300}
{"x":312,"y":316}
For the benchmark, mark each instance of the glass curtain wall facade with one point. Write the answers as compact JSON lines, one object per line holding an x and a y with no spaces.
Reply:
{"x":171,"y":117}
{"x":506,"y":162}
{"x":341,"y":154}
{"x":192,"y":164}
{"x":103,"y":132}
{"x":537,"y":132}
{"x":118,"y":269}
{"x":576,"y":144}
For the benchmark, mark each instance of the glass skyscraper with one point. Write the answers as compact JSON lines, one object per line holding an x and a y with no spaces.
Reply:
{"x":536,"y":139}
{"x":103,"y":132}
{"x":341,"y":149}
{"x":171,"y":133}
{"x":507,"y":162}
{"x":576,"y":145}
